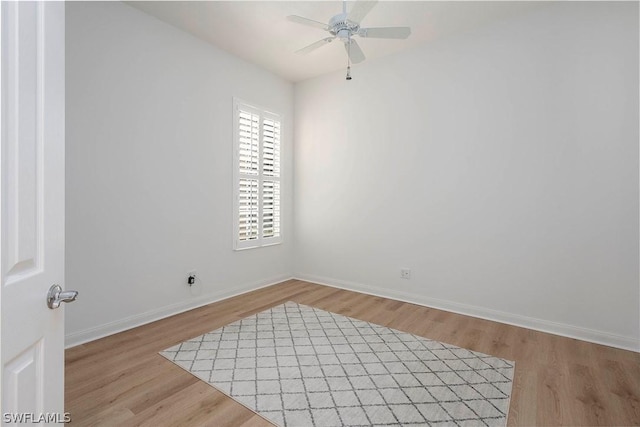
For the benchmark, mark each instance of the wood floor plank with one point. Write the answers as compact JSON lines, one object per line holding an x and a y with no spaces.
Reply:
{"x":523,"y":405}
{"x":623,"y":386}
{"x":552,"y":398}
{"x":592,"y":405}
{"x":113,"y":416}
{"x":121,"y":380}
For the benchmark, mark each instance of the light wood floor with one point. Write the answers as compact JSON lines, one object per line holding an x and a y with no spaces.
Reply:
{"x":121,"y":380}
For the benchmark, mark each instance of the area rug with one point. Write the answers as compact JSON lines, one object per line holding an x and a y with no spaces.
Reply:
{"x":301,"y":366}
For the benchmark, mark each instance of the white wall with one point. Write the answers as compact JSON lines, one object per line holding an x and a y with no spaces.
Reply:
{"x":500,"y":166}
{"x":149,"y":170}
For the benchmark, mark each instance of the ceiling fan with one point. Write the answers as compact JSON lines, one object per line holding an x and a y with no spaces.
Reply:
{"x":345,"y":26}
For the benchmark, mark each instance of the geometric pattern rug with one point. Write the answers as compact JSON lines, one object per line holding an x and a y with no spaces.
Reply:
{"x":301,"y":366}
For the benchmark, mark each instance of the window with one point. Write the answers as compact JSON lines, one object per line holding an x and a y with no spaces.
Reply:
{"x":256,"y":166}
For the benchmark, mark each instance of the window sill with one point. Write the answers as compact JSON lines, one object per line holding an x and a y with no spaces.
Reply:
{"x":264,"y":245}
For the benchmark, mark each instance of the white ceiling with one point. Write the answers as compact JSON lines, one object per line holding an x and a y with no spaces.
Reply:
{"x":259,"y":32}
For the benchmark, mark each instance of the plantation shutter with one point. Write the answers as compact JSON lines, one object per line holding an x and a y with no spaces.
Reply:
{"x":248,"y":155}
{"x":257,"y":171}
{"x":271,"y":182}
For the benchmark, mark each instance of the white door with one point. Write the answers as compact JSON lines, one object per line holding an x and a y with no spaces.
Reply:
{"x":32,"y":214}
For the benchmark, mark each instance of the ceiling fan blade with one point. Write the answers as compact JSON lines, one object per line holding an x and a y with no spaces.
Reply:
{"x":306,"y":21}
{"x":356,"y":54}
{"x":360,"y":9}
{"x":314,"y":46}
{"x":385,"y":32}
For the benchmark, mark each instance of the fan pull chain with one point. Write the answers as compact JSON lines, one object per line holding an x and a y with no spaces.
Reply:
{"x":349,"y":58}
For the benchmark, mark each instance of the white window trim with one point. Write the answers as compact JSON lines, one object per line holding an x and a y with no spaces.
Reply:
{"x":239,"y":104}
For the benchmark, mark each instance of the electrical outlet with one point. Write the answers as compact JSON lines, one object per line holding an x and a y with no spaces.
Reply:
{"x":191,"y":274}
{"x":405,"y":273}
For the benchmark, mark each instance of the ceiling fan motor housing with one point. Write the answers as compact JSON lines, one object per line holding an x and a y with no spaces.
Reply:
{"x":343,"y":28}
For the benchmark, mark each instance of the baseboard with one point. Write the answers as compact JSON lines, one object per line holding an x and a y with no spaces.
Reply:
{"x":541,"y":325}
{"x":91,"y":334}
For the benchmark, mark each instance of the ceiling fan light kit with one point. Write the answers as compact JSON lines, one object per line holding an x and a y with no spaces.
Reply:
{"x":345,"y":26}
